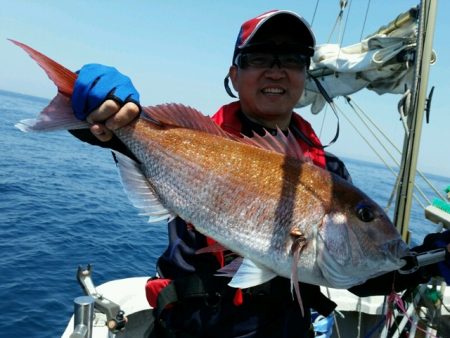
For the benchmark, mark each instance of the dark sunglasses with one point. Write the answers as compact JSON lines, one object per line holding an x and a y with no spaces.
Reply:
{"x":295,"y":61}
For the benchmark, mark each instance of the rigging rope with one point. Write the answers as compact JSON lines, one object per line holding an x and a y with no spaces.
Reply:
{"x":367,"y":142}
{"x":380,"y":157}
{"x":421,"y":174}
{"x":345,"y":24}
{"x":315,"y":12}
{"x":338,"y":22}
{"x":365,"y":20}
{"x":360,"y":111}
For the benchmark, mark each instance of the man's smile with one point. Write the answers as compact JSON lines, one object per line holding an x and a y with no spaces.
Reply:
{"x":273,"y":91}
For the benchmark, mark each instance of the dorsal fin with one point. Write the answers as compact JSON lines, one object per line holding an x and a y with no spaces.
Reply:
{"x":179,"y":115}
{"x":279,"y":143}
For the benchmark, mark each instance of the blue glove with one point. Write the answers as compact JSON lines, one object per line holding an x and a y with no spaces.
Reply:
{"x":97,"y":83}
{"x":437,"y":241}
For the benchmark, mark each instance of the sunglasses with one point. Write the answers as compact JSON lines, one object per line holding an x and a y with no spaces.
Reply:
{"x":294,"y":61}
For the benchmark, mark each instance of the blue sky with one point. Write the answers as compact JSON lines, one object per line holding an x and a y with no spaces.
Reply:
{"x":180,"y":51}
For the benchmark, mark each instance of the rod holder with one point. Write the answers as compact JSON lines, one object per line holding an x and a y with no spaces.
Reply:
{"x":83,"y":317}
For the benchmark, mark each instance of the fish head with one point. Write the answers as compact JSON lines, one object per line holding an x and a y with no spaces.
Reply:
{"x":356,"y":240}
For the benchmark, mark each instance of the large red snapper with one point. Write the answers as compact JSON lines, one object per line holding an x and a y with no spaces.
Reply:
{"x":284,"y":215}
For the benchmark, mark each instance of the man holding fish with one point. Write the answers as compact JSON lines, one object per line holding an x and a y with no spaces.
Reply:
{"x":268,"y":71}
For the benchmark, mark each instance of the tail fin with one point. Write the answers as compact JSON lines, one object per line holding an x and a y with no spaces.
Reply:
{"x":58,"y":114}
{"x":63,"y":78}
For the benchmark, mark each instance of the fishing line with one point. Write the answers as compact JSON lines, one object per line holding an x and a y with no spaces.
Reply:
{"x":315,"y":12}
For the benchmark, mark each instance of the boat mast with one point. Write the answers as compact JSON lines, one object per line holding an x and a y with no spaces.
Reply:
{"x":411,"y":142}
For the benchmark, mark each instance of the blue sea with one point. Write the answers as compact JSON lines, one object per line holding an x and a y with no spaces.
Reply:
{"x":62,"y":205}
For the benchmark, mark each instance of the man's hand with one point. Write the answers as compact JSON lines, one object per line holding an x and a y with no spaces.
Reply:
{"x":106,"y":98}
{"x":110,"y":116}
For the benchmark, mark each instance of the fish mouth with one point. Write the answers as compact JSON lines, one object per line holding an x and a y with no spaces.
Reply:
{"x":396,"y":249}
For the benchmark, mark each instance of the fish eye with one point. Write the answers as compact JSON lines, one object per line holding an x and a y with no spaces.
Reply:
{"x":365,"y":212}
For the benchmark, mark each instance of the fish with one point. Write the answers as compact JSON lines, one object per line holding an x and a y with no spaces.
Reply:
{"x":258,"y":197}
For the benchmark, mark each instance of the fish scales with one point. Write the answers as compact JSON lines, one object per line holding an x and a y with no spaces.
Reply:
{"x":205,"y":179}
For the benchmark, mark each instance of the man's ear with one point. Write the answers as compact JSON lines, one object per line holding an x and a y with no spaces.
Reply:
{"x":233,"y":72}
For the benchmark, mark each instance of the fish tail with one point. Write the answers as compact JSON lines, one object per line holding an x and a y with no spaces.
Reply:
{"x":63,"y":78}
{"x":58,"y":114}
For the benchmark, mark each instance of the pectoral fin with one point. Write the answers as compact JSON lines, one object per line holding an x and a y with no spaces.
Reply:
{"x":139,"y":190}
{"x":249,"y":274}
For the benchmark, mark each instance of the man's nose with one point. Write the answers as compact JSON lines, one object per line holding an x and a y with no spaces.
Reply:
{"x":276,"y":62}
{"x":275,"y":72}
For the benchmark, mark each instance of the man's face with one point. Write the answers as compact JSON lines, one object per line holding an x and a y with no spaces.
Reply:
{"x":268,"y":94}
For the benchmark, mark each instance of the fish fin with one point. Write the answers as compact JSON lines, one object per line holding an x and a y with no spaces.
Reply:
{"x":181,"y":116}
{"x":279,"y":143}
{"x":63,"y":78}
{"x":58,"y":115}
{"x":215,"y":247}
{"x":139,"y":190}
{"x":230,"y":269}
{"x":249,"y":274}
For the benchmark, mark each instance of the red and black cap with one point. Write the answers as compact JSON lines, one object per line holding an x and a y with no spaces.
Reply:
{"x":281,"y":22}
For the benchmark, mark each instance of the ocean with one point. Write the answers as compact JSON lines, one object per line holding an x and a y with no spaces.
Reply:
{"x":62,"y":206}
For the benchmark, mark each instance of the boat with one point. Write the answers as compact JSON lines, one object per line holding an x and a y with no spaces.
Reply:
{"x":395,"y":59}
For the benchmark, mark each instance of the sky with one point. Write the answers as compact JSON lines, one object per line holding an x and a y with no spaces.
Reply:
{"x":180,"y":51}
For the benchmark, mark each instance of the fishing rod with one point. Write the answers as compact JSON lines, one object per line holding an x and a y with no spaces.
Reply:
{"x":416,"y":260}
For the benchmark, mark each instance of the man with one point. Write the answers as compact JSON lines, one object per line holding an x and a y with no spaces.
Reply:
{"x":270,"y":60}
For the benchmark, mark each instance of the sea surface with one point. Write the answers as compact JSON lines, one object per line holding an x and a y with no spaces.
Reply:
{"x":62,"y":205}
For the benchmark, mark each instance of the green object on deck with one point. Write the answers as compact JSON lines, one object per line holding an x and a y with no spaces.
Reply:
{"x":433,"y":295}
{"x":443,"y":205}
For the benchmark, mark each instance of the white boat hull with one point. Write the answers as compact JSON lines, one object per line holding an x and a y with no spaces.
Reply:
{"x":129,"y":293}
{"x":362,"y":314}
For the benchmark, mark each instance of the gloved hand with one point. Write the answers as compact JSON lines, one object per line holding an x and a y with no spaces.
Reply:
{"x":97,"y":83}
{"x":437,"y":241}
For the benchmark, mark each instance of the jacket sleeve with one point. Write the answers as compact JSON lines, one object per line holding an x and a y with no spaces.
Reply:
{"x":336,"y":166}
{"x":180,"y":257}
